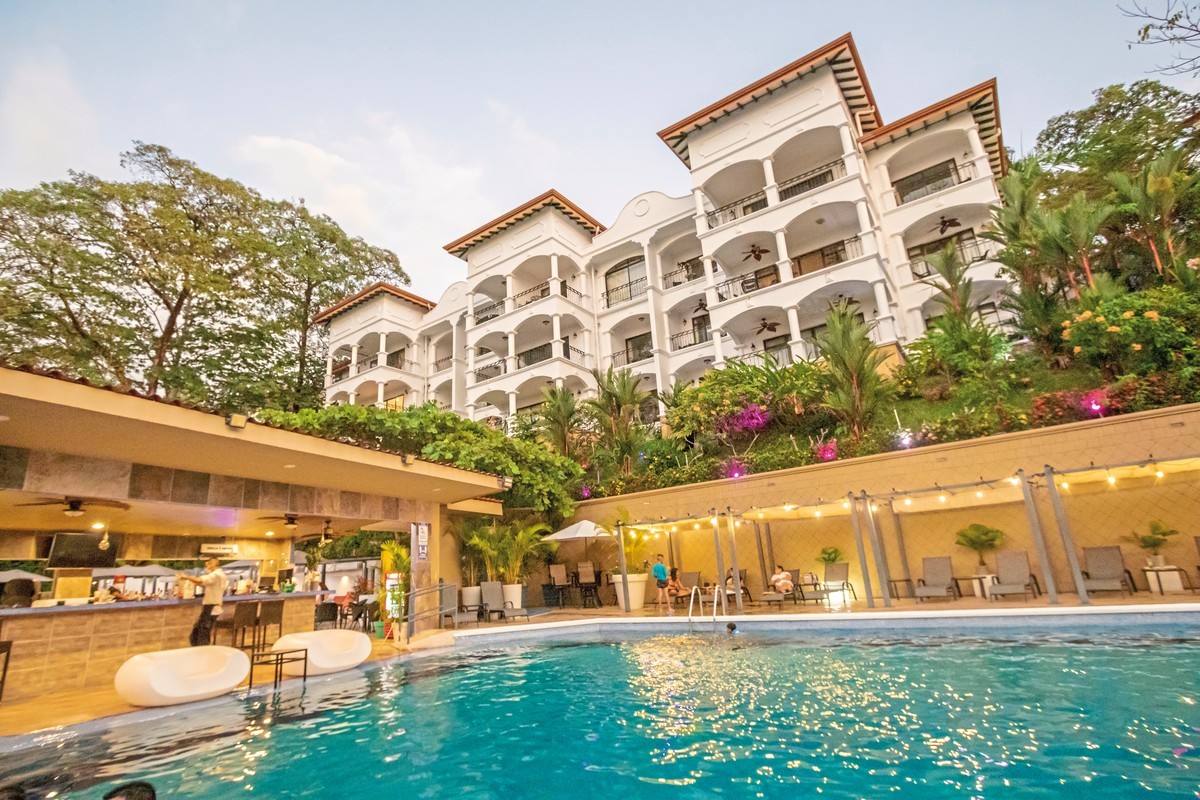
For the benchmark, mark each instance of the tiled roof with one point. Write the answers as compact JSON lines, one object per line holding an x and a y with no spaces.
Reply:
{"x":551,"y":199}
{"x":346,"y":303}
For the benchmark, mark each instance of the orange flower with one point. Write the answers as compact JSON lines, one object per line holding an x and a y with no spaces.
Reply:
{"x":1151,"y":315}
{"x":1067,"y":335}
{"x":1066,"y":323}
{"x":1100,"y":319}
{"x":1113,"y":329}
{"x":1127,"y":315}
{"x":1077,"y":349}
{"x":1136,"y":346}
{"x":1083,"y":316}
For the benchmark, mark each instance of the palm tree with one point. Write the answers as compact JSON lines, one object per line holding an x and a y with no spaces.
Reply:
{"x":855,"y":391}
{"x":559,"y":420}
{"x":487,"y":542}
{"x":615,"y":411}
{"x":1079,"y":223}
{"x":1154,"y":196}
{"x":951,"y":286}
{"x":521,"y":542}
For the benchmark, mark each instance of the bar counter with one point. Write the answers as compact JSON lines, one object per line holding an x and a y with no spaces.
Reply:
{"x":61,"y":648}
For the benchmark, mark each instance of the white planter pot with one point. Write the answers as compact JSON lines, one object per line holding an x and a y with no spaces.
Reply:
{"x":1158,"y":561}
{"x":512,"y":594}
{"x":472,"y":596}
{"x":637,"y":590}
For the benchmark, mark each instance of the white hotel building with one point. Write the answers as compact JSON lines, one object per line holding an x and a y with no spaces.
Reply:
{"x":801,"y":196}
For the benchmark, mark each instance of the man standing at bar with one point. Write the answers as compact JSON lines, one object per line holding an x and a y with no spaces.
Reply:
{"x":214,"y":582}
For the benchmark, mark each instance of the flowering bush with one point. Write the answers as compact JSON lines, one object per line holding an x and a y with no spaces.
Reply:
{"x":744,"y":421}
{"x":825,"y":449}
{"x":734,"y":468}
{"x":1069,"y":405}
{"x":965,"y":424}
{"x":1137,"y":333}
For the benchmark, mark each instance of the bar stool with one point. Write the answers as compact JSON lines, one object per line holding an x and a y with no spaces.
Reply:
{"x":270,"y":613}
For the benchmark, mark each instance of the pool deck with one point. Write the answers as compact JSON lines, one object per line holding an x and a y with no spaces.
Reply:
{"x":70,"y":708}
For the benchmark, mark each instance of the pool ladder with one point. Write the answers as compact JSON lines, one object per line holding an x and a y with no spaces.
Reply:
{"x":699,"y":595}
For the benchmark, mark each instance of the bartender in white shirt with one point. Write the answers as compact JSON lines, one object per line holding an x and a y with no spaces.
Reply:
{"x":215,"y":583}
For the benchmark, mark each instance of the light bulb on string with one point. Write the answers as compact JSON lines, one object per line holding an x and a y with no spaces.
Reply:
{"x":1065,"y":485}
{"x":908,"y":501}
{"x":941,"y":498}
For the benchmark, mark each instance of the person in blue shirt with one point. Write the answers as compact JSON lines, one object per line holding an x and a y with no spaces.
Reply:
{"x":660,"y":575}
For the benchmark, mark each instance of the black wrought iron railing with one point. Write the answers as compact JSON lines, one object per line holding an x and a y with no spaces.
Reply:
{"x":341,"y":371}
{"x":736,"y":287}
{"x":396,"y":359}
{"x":489,"y":371}
{"x":623,"y":358}
{"x":571,"y":293}
{"x":367,"y":363}
{"x":625,"y":292}
{"x":932,"y":180}
{"x":828,"y":256}
{"x":489,"y":311}
{"x":442,"y":363}
{"x":575,"y":354}
{"x":521,"y":299}
{"x":812,"y":179}
{"x":686,"y":271}
{"x":737,"y":209}
{"x":969,"y":250}
{"x":534,"y":355}
{"x":690,"y":338}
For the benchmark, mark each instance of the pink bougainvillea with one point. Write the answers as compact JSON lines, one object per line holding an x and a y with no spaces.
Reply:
{"x":825,"y":449}
{"x":750,"y":419}
{"x":585,"y":492}
{"x":734,"y":468}
{"x":1094,"y":403}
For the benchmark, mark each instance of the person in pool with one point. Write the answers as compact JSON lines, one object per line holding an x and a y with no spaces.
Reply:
{"x":731,"y":629}
{"x":660,"y":575}
{"x":138,"y":790}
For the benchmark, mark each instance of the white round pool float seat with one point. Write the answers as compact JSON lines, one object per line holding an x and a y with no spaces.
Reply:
{"x":185,"y":675}
{"x":329,"y":651}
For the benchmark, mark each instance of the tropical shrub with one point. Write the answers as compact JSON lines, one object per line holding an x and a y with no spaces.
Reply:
{"x":1154,"y":541}
{"x":980,"y":538}
{"x":1137,"y":333}
{"x":855,"y":391}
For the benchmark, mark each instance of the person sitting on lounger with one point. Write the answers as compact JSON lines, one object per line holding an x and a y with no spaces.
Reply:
{"x":675,"y":588}
{"x":782,"y":580}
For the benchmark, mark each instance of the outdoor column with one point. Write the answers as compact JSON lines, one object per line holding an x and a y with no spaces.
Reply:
{"x":701,"y":216}
{"x":862,"y":553}
{"x":556,"y":343}
{"x":784,"y":264}
{"x":383,"y":349}
{"x":354,"y":360}
{"x":621,"y":563}
{"x":329,"y":370}
{"x":719,"y":587}
{"x":555,"y":281}
{"x":849,"y":151}
{"x":512,"y":352}
{"x":670,"y":550}
{"x":771,"y":548}
{"x":883,"y":313}
{"x":797,"y":345}
{"x":470,"y":308}
{"x":977,"y":149}
{"x":1064,"y":530}
{"x":718,"y":352}
{"x":770,"y":187}
{"x":1039,"y":537}
{"x":900,"y":545}
{"x":379,"y":394}
{"x":512,"y":403}
{"x":710,"y":282}
{"x":866,"y":230}
{"x":353,"y":396}
{"x":762,"y":562}
{"x":509,"y":302}
{"x":733,"y":560}
{"x":881,"y":565}
{"x":886,"y":190}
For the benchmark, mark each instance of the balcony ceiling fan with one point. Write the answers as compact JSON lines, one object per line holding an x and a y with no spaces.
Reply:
{"x":74,"y":506}
{"x":701,"y":306}
{"x":755,"y":252}
{"x":290,"y":521}
{"x":767,"y":326}
{"x":945,"y":224}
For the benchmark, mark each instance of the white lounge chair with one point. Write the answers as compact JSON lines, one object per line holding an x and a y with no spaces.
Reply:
{"x":171,"y":677}
{"x":328,"y":650}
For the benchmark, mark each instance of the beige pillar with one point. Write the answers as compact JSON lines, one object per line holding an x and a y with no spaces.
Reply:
{"x":770,"y":187}
{"x":354,"y":360}
{"x":556,"y":343}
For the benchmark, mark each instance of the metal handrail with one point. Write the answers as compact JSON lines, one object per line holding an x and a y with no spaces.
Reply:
{"x":831,"y":255}
{"x":692,"y":599}
{"x":687,"y":271}
{"x":969,"y":250}
{"x":442,"y":363}
{"x":690,"y":338}
{"x":957,"y":174}
{"x":535,"y":355}
{"x":492,"y":370}
{"x":814,"y":178}
{"x":522,"y":299}
{"x":571,"y":293}
{"x":623,"y":358}
{"x":490,"y":311}
{"x":744,"y":207}
{"x":413,"y":594}
{"x":745,"y":284}
{"x":625,"y":292}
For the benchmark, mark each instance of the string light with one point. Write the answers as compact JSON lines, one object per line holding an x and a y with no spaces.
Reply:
{"x":1014,"y":480}
{"x":1066,"y":485}
{"x":788,"y":507}
{"x":845,"y":504}
{"x":979,"y":493}
{"x":1158,"y":473}
{"x":874,"y":507}
{"x":696,"y":526}
{"x":817,"y":513}
{"x":908,"y":501}
{"x":941,"y":498}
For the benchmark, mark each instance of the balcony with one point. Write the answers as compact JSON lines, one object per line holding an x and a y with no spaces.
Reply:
{"x":629,"y":291}
{"x":488,"y":371}
{"x":441,"y":364}
{"x":535,"y":355}
{"x":489,"y":311}
{"x":932,"y":180}
{"x":397,"y":360}
{"x":685,"y":272}
{"x":780,"y":355}
{"x":828,"y":256}
{"x":746,"y":284}
{"x":813,"y":179}
{"x":968,"y":250}
{"x":737,"y":209}
{"x":623,"y":358}
{"x":341,"y":371}
{"x":690,"y":338}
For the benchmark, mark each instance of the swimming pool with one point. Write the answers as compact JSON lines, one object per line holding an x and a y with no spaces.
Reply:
{"x":1103,"y":712}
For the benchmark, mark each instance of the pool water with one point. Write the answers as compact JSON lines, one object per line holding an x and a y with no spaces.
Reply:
{"x":1098,"y":714}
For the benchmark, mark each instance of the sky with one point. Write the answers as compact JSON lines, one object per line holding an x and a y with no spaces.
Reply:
{"x":412,"y":124}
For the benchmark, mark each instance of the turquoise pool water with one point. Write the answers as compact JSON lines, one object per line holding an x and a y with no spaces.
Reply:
{"x":1098,"y":714}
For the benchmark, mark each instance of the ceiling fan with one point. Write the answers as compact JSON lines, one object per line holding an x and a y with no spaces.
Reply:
{"x":326,"y":533}
{"x":701,"y":306}
{"x":945,"y":224}
{"x":767,"y":326}
{"x":290,"y":521}
{"x":74,"y":506}
{"x":755,"y":252}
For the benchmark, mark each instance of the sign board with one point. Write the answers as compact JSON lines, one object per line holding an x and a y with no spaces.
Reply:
{"x":218,"y":549}
{"x":420,"y":538}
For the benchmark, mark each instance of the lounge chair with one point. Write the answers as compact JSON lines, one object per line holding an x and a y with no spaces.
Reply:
{"x":1013,"y":576}
{"x":453,"y":611}
{"x":171,"y":677}
{"x":492,"y":593}
{"x":589,"y":587}
{"x":328,"y":651}
{"x":689,"y":581}
{"x":937,"y":579}
{"x":837,"y":581}
{"x":1104,"y":570}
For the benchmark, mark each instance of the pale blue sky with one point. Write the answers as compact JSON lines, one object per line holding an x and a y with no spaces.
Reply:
{"x":412,"y":124}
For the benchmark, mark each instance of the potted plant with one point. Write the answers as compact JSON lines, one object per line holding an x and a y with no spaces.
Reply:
{"x":831,"y":555}
{"x":480,"y":544}
{"x":637,"y":562}
{"x":1154,"y":541}
{"x":520,"y":546}
{"x":980,"y":538}
{"x":395,"y":570}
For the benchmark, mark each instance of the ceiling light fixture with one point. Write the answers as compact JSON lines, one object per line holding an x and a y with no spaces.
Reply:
{"x":270,"y":533}
{"x":97,"y":526}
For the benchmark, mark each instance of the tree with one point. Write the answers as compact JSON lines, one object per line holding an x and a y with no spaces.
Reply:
{"x":1153,"y":197}
{"x":559,"y":420}
{"x":615,"y":411}
{"x":1120,"y":132}
{"x":1177,"y":25}
{"x":1077,"y":226}
{"x":855,"y":391}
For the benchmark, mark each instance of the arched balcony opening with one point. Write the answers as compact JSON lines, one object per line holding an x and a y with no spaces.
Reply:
{"x":441,"y":353}
{"x":339,"y":399}
{"x":442,"y":393}
{"x":624,"y":281}
{"x":749,"y":263}
{"x":396,"y":396}
{"x":987,"y":294}
{"x":342,"y":357}
{"x":759,"y":331}
{"x":489,"y":298}
{"x":681,"y":262}
{"x":958,"y":226}
{"x":931,"y":163}
{"x":630,"y":341}
{"x":823,"y":237}
{"x":813,"y":311}
{"x":691,"y":372}
{"x":688,"y":323}
{"x":735,"y":192}
{"x":808,"y":161}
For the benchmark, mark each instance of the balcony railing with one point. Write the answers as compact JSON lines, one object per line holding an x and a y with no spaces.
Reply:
{"x":736,"y":287}
{"x":623,"y":358}
{"x":737,"y":209}
{"x":522,"y":299}
{"x":489,"y":371}
{"x":442,"y":363}
{"x":813,"y":179}
{"x":571,"y":293}
{"x":395,"y":404}
{"x":628,"y":291}
{"x":781,"y":355}
{"x":489,"y":311}
{"x":690,"y":338}
{"x":969,"y":250}
{"x":534,"y":355}
{"x":367,"y":363}
{"x":932,"y":180}
{"x":828,"y":256}
{"x":690,"y":270}
{"x":396,"y":359}
{"x":341,"y":371}
{"x":575,"y":354}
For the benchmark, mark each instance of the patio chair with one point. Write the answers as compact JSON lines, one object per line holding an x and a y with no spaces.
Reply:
{"x":937,"y":579}
{"x":805,"y":587}
{"x":326,"y":613}
{"x":1013,"y":576}
{"x":270,"y":612}
{"x":1104,"y":570}
{"x":688,"y":579}
{"x":837,"y":581}
{"x":492,"y":594}
{"x":452,"y":611}
{"x":745,"y":588}
{"x":559,"y":583}
{"x":589,"y":587}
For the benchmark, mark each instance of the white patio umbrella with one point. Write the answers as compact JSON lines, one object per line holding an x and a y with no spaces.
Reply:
{"x":17,"y":574}
{"x":584,"y":529}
